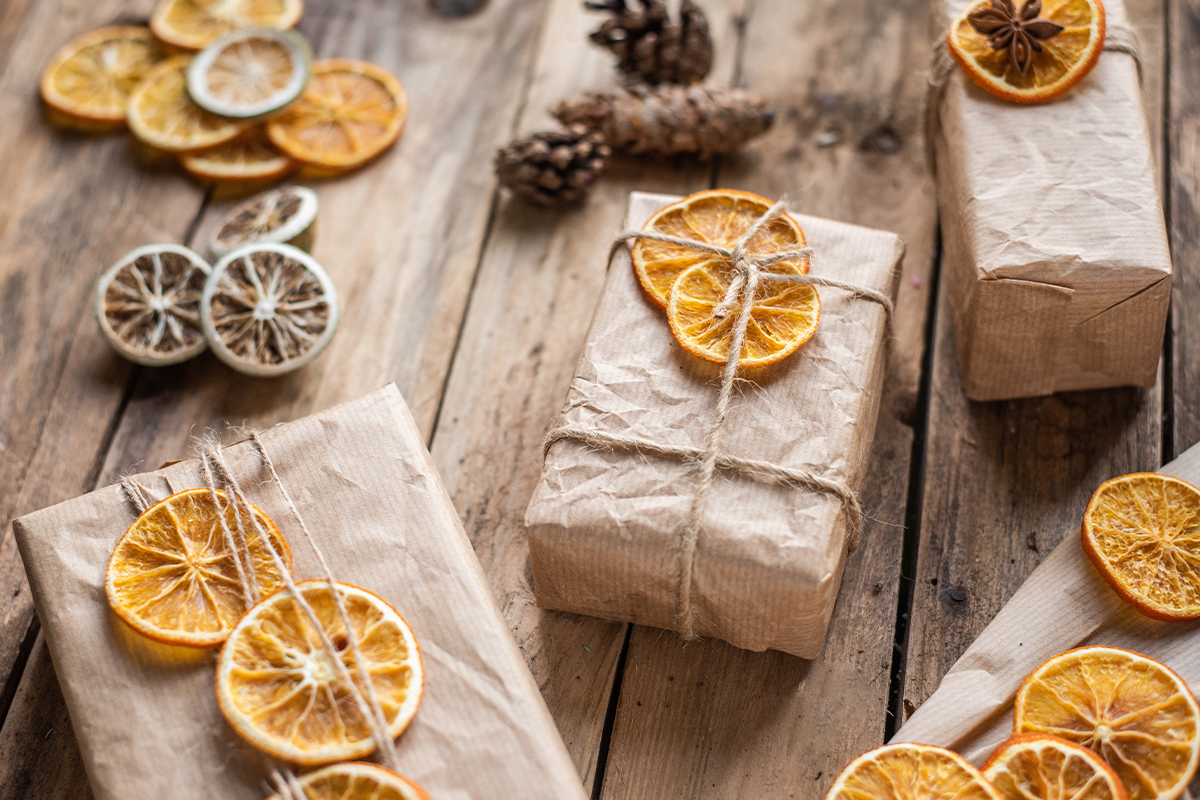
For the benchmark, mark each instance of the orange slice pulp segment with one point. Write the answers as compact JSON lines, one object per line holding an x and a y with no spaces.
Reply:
{"x":357,"y":780}
{"x":248,"y":158}
{"x":910,"y":772}
{"x":1032,"y":766}
{"x":195,"y":24}
{"x":163,"y":115}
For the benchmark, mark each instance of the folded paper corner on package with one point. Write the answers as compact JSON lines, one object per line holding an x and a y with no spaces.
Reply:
{"x":604,"y":526}
{"x":145,"y":715}
{"x":1055,"y":247}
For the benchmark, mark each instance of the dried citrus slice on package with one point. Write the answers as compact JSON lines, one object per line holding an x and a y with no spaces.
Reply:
{"x":1029,"y":53}
{"x":92,"y":77}
{"x":1142,"y":532}
{"x":250,"y":158}
{"x":1032,"y":766}
{"x":287,"y":215}
{"x":268,"y":309}
{"x":148,"y":304}
{"x":281,"y":690}
{"x":195,"y":24}
{"x":172,"y":578}
{"x":350,"y":113}
{"x":910,"y":772}
{"x":251,"y":73}
{"x":163,"y":115}
{"x":356,"y":780}
{"x":1130,"y":709}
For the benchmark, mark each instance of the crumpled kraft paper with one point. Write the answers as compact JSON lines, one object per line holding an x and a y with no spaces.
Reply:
{"x":1064,"y":604}
{"x":1055,"y":249}
{"x":604,"y":527}
{"x":146,"y":715}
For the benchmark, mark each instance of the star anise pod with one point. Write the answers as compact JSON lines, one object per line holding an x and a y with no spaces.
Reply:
{"x":1019,"y":32}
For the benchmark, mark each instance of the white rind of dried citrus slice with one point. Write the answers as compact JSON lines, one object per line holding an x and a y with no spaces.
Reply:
{"x":172,"y":578}
{"x":356,"y":780}
{"x":148,"y":304}
{"x":286,"y":215}
{"x":91,"y":78}
{"x":281,"y":690}
{"x":163,"y":115}
{"x":195,"y":24}
{"x":268,"y":309}
{"x":250,"y":73}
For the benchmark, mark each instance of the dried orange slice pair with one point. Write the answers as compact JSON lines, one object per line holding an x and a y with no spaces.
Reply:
{"x":691,"y":284}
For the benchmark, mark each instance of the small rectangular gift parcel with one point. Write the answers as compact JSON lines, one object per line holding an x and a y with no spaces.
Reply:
{"x":606,"y":525}
{"x":146,"y":714}
{"x":1055,"y":250}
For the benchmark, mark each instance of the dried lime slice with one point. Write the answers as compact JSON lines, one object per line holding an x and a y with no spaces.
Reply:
{"x":148,"y":304}
{"x":287,"y":215}
{"x":268,"y":309}
{"x":251,"y":73}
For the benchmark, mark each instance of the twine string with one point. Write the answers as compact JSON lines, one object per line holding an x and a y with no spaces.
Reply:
{"x":749,"y":271}
{"x":249,"y":583}
{"x":136,"y":494}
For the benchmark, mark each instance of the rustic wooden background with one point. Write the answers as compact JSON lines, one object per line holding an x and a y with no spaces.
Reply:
{"x":477,"y":306}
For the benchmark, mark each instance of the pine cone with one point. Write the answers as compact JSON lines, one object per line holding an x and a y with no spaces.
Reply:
{"x":651,"y":46}
{"x":553,"y":167}
{"x":665,"y":120}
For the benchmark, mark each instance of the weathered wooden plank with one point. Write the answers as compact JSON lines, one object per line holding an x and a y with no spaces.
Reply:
{"x":538,"y":283}
{"x":1183,"y":218}
{"x":1006,"y":481}
{"x":72,"y":204}
{"x":709,"y":720}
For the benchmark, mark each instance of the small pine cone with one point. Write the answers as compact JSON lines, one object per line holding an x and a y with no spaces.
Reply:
{"x":553,"y":167}
{"x":650,"y":46}
{"x":665,"y":120}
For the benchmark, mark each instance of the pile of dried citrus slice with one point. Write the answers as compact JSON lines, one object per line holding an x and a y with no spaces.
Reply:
{"x":291,"y":680}
{"x":690,"y":284}
{"x":1096,"y":723}
{"x":241,"y":104}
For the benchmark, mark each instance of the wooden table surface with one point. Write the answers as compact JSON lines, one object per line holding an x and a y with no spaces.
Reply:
{"x":477,"y":307}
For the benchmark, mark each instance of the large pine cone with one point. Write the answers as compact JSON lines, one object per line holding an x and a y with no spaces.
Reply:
{"x":553,"y":167}
{"x":652,"y":47}
{"x":665,"y":120}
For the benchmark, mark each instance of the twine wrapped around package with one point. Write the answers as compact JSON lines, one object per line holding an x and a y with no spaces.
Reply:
{"x":581,"y":530}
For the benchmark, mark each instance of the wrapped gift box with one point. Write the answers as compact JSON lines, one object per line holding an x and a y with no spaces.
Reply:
{"x":1055,"y":249}
{"x":605,"y":526}
{"x":146,"y":715}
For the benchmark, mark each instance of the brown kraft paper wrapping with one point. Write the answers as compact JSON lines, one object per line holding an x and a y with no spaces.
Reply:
{"x":605,"y":527}
{"x":146,"y":715}
{"x":1055,"y":249}
{"x":1064,"y":604}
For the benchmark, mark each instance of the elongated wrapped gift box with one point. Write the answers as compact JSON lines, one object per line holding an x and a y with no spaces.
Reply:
{"x":605,"y":526}
{"x":146,"y":715}
{"x":1055,"y":249}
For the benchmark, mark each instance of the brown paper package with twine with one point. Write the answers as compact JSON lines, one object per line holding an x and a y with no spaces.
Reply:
{"x":1054,"y":245}
{"x":667,"y":501}
{"x":363,"y":486}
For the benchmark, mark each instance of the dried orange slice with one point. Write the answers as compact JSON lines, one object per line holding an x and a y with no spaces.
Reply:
{"x":1142,"y":532}
{"x":1033,"y":766}
{"x":717,"y":216}
{"x":350,"y":113}
{"x":910,"y":772}
{"x":92,"y":77}
{"x":172,"y":578}
{"x":162,"y":114}
{"x":251,"y":73}
{"x":1063,"y":60}
{"x":1130,"y":709}
{"x":195,"y":24}
{"x":268,"y":309}
{"x":250,"y":158}
{"x":356,"y":780}
{"x":287,"y":215}
{"x":148,"y":304}
{"x":281,"y":690}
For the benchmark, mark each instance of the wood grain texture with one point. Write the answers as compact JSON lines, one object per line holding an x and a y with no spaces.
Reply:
{"x":1006,"y":481}
{"x":72,"y":205}
{"x":1183,"y":216}
{"x":706,"y":719}
{"x":541,"y":275}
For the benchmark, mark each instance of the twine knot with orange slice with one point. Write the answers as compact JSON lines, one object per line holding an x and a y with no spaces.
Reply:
{"x":731,"y":271}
